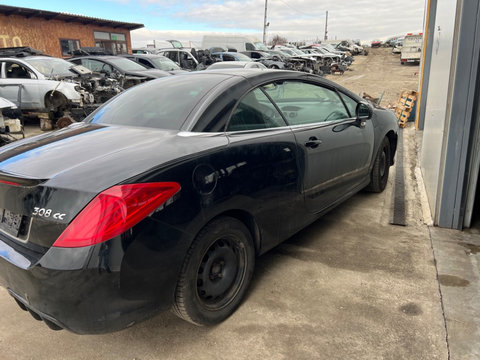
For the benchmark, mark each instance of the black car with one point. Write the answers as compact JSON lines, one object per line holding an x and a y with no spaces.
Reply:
{"x":163,"y":197}
{"x":132,"y":72}
{"x":153,"y":61}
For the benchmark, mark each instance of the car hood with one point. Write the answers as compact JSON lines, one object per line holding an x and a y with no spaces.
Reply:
{"x":148,"y":73}
{"x":94,"y":157}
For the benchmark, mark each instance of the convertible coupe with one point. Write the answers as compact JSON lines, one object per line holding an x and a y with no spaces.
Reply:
{"x":163,"y":197}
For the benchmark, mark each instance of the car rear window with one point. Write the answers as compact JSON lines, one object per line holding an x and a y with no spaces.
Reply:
{"x":163,"y":103}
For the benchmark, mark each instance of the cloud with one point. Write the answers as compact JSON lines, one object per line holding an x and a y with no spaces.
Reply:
{"x":295,"y":20}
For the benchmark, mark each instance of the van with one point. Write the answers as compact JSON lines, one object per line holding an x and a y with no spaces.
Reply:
{"x":412,"y":48}
{"x":239,"y":43}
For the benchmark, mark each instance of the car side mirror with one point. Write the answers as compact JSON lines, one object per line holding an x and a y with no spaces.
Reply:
{"x":363,"y":111}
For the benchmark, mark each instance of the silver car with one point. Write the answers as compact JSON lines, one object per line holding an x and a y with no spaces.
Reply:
{"x":41,"y":84}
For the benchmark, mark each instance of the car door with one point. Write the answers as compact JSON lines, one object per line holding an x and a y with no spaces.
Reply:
{"x":16,"y":76}
{"x":264,"y":167}
{"x":336,"y":149}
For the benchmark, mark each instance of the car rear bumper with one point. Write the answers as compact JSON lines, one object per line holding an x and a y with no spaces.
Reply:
{"x":89,"y":290}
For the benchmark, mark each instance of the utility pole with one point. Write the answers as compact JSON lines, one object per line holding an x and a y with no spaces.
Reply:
{"x":265,"y":25}
{"x":326,"y":26}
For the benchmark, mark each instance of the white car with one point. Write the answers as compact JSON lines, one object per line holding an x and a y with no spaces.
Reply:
{"x":41,"y":84}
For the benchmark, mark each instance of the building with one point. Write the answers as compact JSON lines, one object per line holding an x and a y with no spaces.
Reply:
{"x":449,"y":114}
{"x":57,"y":34}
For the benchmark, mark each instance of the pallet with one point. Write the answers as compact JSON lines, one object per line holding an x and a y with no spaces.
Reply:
{"x":405,"y":107}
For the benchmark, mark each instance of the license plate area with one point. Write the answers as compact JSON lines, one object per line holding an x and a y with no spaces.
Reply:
{"x":14,"y":224}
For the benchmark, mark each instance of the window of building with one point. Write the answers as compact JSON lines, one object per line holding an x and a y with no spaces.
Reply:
{"x":114,"y":42}
{"x":67,"y":46}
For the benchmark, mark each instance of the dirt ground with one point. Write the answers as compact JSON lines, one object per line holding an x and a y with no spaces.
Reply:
{"x":379,"y":73}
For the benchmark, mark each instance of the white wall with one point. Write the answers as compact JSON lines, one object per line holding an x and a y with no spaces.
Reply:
{"x":437,"y":117}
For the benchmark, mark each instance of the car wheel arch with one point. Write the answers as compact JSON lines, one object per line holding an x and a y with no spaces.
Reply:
{"x":55,"y":100}
{"x":247,"y":219}
{"x":392,"y":138}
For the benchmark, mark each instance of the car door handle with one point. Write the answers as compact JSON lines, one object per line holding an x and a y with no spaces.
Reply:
{"x":313,"y":142}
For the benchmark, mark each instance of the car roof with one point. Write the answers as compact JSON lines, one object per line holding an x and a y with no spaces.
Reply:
{"x":104,"y":57}
{"x":146,"y":56}
{"x":232,"y":64}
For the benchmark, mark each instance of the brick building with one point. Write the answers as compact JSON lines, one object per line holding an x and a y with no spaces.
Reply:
{"x":57,"y":33}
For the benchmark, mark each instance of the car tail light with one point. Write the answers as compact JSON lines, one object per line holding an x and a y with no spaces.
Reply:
{"x":114,"y":211}
{"x":9,"y":183}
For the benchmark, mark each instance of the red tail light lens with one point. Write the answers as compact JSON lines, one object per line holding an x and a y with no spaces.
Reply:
{"x":114,"y":211}
{"x":9,"y":183}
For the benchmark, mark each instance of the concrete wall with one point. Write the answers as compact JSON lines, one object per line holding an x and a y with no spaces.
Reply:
{"x":45,"y":35}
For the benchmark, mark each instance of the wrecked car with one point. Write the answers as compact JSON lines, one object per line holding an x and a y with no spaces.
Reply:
{"x":349,"y":45}
{"x":9,"y":122}
{"x":128,"y":73}
{"x":237,"y":65}
{"x":230,"y":56}
{"x":182,"y":57}
{"x":266,"y":59}
{"x":154,"y":61}
{"x":310,"y":64}
{"x":40,"y":86}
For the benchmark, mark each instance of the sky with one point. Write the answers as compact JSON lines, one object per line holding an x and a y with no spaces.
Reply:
{"x":296,"y":20}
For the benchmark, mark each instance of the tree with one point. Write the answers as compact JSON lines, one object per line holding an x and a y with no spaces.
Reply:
{"x":278,"y":40}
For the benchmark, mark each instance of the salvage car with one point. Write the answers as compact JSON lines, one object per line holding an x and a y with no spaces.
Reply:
{"x":127,"y":72}
{"x":266,"y":59}
{"x":237,"y":65}
{"x":182,"y":57}
{"x":163,"y":197}
{"x":230,"y":56}
{"x":154,"y":61}
{"x":39,"y":84}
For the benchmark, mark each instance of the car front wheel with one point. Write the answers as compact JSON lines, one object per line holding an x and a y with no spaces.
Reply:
{"x":216,"y":272}
{"x":381,"y":167}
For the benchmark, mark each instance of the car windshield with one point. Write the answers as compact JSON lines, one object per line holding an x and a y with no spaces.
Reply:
{"x":298,"y":52}
{"x":164,"y":63}
{"x":264,"y":54}
{"x":260,"y":46}
{"x":242,"y":57}
{"x":163,"y":103}
{"x":126,"y":64}
{"x":51,"y":66}
{"x":288,"y":52}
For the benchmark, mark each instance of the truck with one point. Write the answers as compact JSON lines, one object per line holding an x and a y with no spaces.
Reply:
{"x":229,"y":42}
{"x":412,"y":48}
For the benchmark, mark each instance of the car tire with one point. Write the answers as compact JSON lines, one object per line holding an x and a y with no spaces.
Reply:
{"x":381,"y":167}
{"x":216,"y":272}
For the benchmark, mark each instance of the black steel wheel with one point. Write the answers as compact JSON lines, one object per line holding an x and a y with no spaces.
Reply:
{"x":216,"y":272}
{"x":381,"y":167}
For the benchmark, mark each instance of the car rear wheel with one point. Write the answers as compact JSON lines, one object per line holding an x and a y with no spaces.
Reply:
{"x":381,"y":167}
{"x":216,"y":272}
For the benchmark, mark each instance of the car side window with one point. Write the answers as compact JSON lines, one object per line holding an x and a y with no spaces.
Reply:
{"x":17,"y":71}
{"x":253,"y":112}
{"x":306,"y":103}
{"x":97,"y":66}
{"x":145,"y":62}
{"x":351,"y":104}
{"x":227,"y":57}
{"x":172,"y":55}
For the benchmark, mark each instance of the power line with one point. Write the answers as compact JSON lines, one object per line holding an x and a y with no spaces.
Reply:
{"x":298,"y":11}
